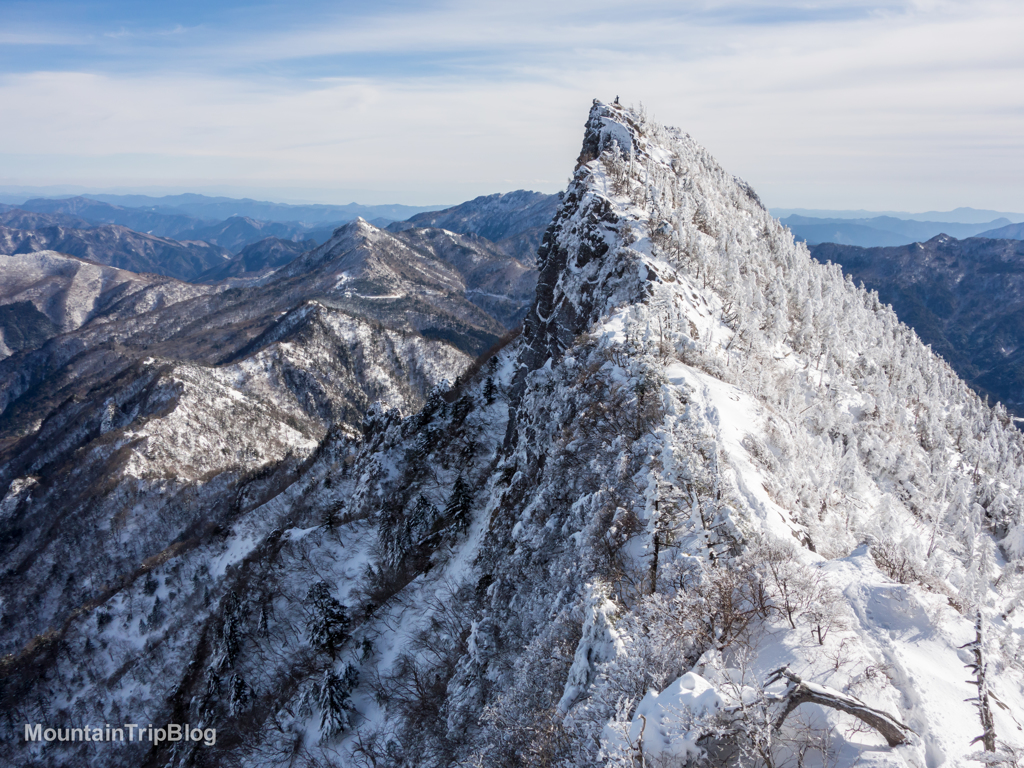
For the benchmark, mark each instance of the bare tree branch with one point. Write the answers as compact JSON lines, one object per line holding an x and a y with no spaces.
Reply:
{"x":799,"y":692}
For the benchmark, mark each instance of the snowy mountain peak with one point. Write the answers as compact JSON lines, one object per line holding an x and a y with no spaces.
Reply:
{"x":596,"y":254}
{"x":692,"y":387}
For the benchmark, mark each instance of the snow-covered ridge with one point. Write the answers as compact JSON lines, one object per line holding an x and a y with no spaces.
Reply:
{"x":70,"y":291}
{"x":771,"y":404}
{"x":833,"y":424}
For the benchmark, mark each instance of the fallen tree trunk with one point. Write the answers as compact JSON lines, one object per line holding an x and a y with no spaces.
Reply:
{"x":800,"y":692}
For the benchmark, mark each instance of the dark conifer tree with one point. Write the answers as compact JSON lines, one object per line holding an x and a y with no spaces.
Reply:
{"x":422,"y":520}
{"x":459,"y":504}
{"x":329,"y":621}
{"x":334,"y":699}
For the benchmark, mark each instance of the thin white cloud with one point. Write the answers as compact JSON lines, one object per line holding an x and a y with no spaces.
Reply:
{"x":815,"y":111}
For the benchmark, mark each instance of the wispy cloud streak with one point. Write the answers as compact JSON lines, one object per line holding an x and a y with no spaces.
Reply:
{"x":819,"y":104}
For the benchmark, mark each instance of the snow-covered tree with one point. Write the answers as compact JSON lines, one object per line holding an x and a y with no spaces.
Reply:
{"x":460,"y":502}
{"x":328,"y":624}
{"x":334,"y":695}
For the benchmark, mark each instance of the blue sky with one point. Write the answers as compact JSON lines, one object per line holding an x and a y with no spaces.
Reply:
{"x":901,"y":105}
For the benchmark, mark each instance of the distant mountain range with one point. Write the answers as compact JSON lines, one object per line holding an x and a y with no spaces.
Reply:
{"x":233,"y":233}
{"x":961,"y":215}
{"x":117,"y":246}
{"x":205,"y":207}
{"x":257,"y":259}
{"x":1010,"y":231}
{"x":887,"y":230}
{"x":166,"y":240}
{"x":514,"y":220}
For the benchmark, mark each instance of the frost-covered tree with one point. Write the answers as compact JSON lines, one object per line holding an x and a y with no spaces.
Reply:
{"x":394,"y":534}
{"x":329,"y":622}
{"x":231,"y":630}
{"x":421,"y":520}
{"x":240,"y":695}
{"x":460,"y":502}
{"x":334,"y":695}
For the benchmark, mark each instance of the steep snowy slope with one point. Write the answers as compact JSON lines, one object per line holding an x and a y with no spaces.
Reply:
{"x":167,"y":451}
{"x":715,"y":505}
{"x":964,"y":298}
{"x":70,"y":291}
